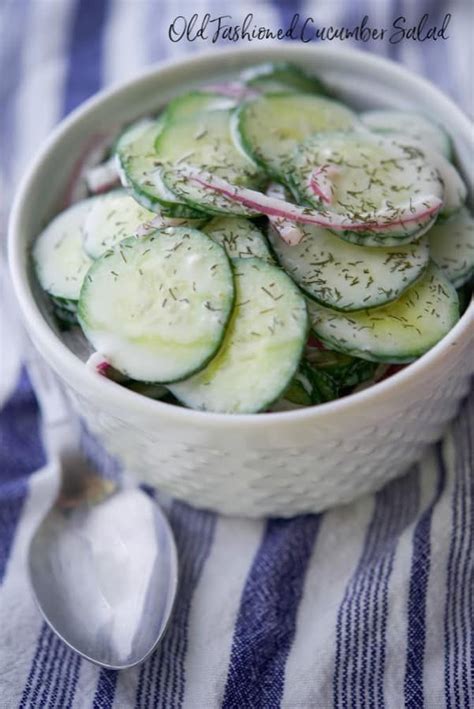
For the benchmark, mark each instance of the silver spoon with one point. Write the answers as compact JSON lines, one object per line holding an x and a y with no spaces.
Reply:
{"x":102,"y":563}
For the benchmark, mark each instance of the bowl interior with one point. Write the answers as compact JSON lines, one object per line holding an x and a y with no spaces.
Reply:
{"x":361,"y":80}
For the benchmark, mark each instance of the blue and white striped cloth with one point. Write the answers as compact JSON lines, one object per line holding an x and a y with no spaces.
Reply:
{"x":368,"y":605}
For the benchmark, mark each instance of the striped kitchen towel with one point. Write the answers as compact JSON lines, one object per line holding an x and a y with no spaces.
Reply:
{"x":367,"y":605}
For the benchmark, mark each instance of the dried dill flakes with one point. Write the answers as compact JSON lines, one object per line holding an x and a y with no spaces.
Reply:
{"x":262,"y":347}
{"x":428,"y":308}
{"x":381,"y":176}
{"x":331,"y":271}
{"x":211,"y":307}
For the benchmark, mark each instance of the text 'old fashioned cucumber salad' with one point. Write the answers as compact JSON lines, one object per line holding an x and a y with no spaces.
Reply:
{"x":259,"y":246}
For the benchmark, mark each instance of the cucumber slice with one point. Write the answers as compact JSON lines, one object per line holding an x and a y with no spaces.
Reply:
{"x":455,"y":191}
{"x":188,"y":104}
{"x":369,"y":175}
{"x":239,"y":237}
{"x":272,"y":125}
{"x":345,"y":370}
{"x":282,"y":76}
{"x":398,"y":332}
{"x":343,"y":276}
{"x":452,"y":247}
{"x":454,"y":188}
{"x":112,"y":217}
{"x":323,"y":386}
{"x":311,"y":386}
{"x":410,"y":123}
{"x":262,"y":347}
{"x":296,"y":394}
{"x":139,"y":170}
{"x":58,"y":255}
{"x":157,"y":307}
{"x":205,"y":141}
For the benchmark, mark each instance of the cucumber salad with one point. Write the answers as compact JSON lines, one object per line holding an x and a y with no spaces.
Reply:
{"x":259,"y":246}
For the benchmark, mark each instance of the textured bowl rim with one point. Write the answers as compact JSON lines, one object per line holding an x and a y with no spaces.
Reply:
{"x":81,"y":378}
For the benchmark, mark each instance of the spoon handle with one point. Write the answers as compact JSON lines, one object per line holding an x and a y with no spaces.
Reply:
{"x":78,"y":482}
{"x":60,"y":427}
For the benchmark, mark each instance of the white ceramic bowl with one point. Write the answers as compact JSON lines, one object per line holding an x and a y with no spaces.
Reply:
{"x":273,"y":464}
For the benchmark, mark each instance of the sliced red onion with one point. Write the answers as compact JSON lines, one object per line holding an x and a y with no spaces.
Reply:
{"x":319,"y":182}
{"x":99,"y":364}
{"x":418,"y":210}
{"x":288,"y":230}
{"x":103,"y":177}
{"x":314,"y":343}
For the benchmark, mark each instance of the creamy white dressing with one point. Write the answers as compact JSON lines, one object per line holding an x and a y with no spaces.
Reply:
{"x":452,"y":247}
{"x":415,"y":125}
{"x":112,"y":218}
{"x":60,"y":261}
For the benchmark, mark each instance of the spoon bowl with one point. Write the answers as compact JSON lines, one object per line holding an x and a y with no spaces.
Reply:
{"x":105,"y":575}
{"x":103,"y":562}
